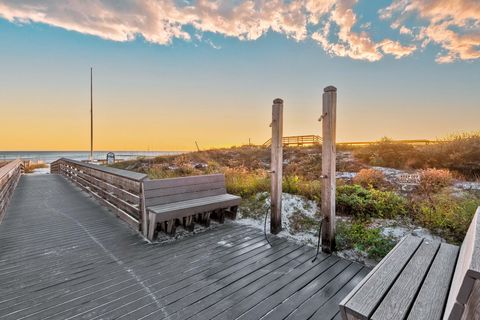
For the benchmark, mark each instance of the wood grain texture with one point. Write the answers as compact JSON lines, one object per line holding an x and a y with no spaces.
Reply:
{"x":466,"y":271}
{"x":276,"y":167}
{"x":328,"y":188}
{"x":370,"y":293}
{"x":73,"y":260}
{"x":431,"y":299}
{"x":9,"y":175}
{"x":396,"y":303}
{"x":181,"y":198}
{"x":472,"y":307}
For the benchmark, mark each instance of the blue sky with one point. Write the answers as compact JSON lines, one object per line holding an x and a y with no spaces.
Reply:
{"x":214,"y":82}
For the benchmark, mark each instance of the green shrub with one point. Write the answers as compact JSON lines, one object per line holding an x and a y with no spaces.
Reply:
{"x":358,"y":236}
{"x":446,"y":215}
{"x":362,"y":203}
{"x":254,"y":207}
{"x":299,"y":186}
{"x":244,"y":183}
{"x":300,"y":222}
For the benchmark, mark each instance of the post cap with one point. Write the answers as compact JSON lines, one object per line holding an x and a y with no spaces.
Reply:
{"x":330,"y":89}
{"x":278,"y":101}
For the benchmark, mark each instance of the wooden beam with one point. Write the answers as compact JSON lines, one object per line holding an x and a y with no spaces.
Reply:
{"x":328,"y":168}
{"x":276,"y":166}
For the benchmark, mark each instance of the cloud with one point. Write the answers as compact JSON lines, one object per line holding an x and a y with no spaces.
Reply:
{"x":356,"y":45}
{"x":452,"y":25}
{"x":333,"y":24}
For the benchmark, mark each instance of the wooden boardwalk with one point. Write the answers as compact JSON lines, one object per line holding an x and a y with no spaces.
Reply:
{"x":63,"y":256}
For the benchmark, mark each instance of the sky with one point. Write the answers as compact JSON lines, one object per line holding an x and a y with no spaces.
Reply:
{"x":168,"y":73}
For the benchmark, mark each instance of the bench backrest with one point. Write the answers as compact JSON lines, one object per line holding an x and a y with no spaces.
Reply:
{"x":464,"y":297}
{"x":164,"y":191}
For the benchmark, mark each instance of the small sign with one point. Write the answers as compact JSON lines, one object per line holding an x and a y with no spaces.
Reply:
{"x":110,"y":158}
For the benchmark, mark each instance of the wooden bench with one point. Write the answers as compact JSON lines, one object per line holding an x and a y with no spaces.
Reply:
{"x":421,"y":279}
{"x":187,"y":200}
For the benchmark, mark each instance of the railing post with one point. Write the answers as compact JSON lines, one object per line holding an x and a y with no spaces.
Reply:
{"x":276,"y":166}
{"x":328,"y":168}
{"x":143,"y":210}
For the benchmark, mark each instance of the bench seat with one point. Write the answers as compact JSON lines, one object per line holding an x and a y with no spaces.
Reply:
{"x":186,"y":200}
{"x":421,"y":279}
{"x":194,"y":206}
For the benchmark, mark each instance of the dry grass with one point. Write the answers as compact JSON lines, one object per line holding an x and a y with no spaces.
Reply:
{"x":30,"y":168}
{"x":370,"y":178}
{"x":457,"y":153}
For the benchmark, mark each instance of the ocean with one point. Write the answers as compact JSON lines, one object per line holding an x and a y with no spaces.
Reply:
{"x":50,"y":156}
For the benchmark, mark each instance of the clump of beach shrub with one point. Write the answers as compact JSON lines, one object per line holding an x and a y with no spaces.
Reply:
{"x":358,"y":236}
{"x":240,"y":181}
{"x":370,"y":178}
{"x":363,"y":203}
{"x":458,"y":153}
{"x":434,"y":180}
{"x":387,"y":153}
{"x":445,"y":214}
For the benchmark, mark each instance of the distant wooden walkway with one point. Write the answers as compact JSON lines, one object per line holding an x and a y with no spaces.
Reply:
{"x":63,"y":256}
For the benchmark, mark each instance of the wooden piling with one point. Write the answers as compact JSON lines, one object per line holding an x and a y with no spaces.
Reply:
{"x":276,"y":166}
{"x":328,"y":168}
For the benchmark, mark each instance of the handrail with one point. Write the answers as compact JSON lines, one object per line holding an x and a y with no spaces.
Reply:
{"x":297,"y":140}
{"x":9,"y":176}
{"x":117,"y":172}
{"x":118,"y":189}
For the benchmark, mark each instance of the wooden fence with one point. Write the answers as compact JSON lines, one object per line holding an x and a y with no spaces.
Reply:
{"x":9,"y":176}
{"x":120,"y":190}
{"x":297,"y":140}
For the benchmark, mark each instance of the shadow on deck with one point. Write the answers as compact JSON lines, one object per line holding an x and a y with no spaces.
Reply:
{"x":63,"y":256}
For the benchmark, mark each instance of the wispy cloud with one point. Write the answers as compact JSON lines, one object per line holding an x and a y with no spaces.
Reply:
{"x":333,"y":24}
{"x":452,"y":25}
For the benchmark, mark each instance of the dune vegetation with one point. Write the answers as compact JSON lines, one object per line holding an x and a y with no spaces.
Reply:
{"x":365,"y":195}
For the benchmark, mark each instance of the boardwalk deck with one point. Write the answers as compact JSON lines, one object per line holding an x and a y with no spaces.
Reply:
{"x":63,"y":256}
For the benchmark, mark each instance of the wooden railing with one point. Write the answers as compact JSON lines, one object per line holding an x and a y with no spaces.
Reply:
{"x":298,"y":140}
{"x":120,"y":190}
{"x":9,"y":176}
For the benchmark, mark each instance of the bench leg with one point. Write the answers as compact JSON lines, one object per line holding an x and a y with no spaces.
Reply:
{"x":171,"y":226}
{"x":221,"y":215}
{"x":205,"y":218}
{"x":152,"y":225}
{"x":232,"y":213}
{"x":188,"y":223}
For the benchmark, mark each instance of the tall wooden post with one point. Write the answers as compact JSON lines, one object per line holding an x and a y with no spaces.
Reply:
{"x":328,"y":168}
{"x":276,"y":166}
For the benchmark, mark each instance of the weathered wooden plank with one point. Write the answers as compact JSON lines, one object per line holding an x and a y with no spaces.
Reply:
{"x":430,"y":302}
{"x":329,"y":115}
{"x":161,"y":192}
{"x":467,"y":270}
{"x":111,"y":171}
{"x":330,"y":309}
{"x":396,"y":304}
{"x":366,"y":297}
{"x":154,"y":201}
{"x":472,"y":307}
{"x":194,"y":202}
{"x":182,"y":181}
{"x":276,"y":167}
{"x":310,"y":302}
{"x":74,"y":261}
